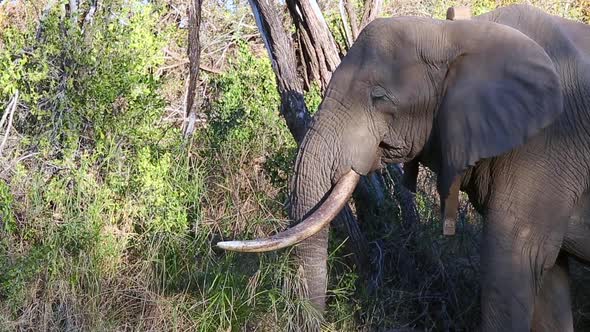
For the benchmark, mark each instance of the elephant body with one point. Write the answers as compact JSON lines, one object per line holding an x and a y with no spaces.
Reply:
{"x":499,"y":106}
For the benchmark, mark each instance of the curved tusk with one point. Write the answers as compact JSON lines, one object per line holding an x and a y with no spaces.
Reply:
{"x":308,"y":227}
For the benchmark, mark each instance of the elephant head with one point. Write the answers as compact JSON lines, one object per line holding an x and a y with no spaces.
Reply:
{"x":447,"y":93}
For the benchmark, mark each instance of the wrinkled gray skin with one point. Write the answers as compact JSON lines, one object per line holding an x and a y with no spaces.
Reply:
{"x":502,"y":100}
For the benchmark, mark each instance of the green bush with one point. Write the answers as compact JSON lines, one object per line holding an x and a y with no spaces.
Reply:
{"x":107,"y":175}
{"x":248,"y":103}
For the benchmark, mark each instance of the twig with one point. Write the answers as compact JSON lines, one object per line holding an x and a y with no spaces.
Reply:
{"x":5,"y":115}
{"x":12,"y":105}
{"x":184,"y":62}
{"x":14,"y":163}
{"x":211,"y":70}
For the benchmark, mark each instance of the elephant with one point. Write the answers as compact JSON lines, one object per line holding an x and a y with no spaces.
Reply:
{"x":498,"y":107}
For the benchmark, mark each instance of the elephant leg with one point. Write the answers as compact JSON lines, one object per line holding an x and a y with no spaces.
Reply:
{"x":553,"y":305}
{"x":518,"y":247}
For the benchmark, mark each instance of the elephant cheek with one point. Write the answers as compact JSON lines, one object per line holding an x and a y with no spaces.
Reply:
{"x":361,"y":148}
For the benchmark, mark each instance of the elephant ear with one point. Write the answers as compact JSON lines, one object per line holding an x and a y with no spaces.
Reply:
{"x":496,"y":96}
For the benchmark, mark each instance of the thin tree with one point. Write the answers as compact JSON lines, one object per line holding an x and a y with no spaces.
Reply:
{"x":194,"y":56}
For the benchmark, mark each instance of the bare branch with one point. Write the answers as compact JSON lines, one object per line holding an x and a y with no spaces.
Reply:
{"x":89,"y":17}
{"x":6,"y":112}
{"x":8,"y":168}
{"x":10,"y":109}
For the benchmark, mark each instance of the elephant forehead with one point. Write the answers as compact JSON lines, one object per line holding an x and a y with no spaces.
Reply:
{"x":371,"y":48}
{"x":388,"y":46}
{"x":404,"y":28}
{"x":365,"y":69}
{"x":398,"y":33}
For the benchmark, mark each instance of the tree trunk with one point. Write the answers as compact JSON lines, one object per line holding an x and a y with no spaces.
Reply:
{"x":348,"y":16}
{"x":318,"y":47}
{"x":194,"y":56}
{"x":371,"y":9}
{"x":282,"y":57}
{"x":370,"y":12}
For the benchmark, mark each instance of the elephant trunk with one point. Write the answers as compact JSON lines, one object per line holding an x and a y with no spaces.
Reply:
{"x":320,"y":188}
{"x":318,"y":163}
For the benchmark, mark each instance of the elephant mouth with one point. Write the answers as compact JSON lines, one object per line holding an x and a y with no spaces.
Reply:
{"x":323,"y":215}
{"x":390,"y":154}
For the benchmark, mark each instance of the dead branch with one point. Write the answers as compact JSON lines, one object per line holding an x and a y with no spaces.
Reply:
{"x":5,"y":115}
{"x":89,"y":17}
{"x":15,"y":162}
{"x":11,"y":108}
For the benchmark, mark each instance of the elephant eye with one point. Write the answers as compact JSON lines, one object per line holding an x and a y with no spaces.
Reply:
{"x":380,"y":96}
{"x":378,"y":93}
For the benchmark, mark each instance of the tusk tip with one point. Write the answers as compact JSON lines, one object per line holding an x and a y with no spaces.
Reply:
{"x":228,"y":245}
